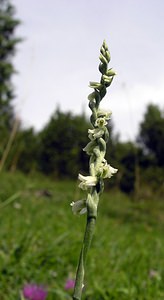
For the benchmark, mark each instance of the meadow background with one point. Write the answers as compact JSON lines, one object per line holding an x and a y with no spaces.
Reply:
{"x":40,"y":238}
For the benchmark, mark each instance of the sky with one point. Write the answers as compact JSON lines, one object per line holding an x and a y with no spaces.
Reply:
{"x":59,"y":55}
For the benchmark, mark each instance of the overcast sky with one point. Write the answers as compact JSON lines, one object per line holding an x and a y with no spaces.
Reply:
{"x":59,"y":56}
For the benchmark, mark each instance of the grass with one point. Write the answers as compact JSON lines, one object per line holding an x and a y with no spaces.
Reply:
{"x":40,"y":240}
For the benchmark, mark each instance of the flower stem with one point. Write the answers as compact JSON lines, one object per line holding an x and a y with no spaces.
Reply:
{"x":89,"y":231}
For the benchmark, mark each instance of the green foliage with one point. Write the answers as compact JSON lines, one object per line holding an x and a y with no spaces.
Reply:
{"x":150,"y":159}
{"x":61,"y":145}
{"x":151,"y":133}
{"x":58,"y":150}
{"x":40,"y":241}
{"x":125,"y":156}
{"x":24,"y":152}
{"x":8,"y":42}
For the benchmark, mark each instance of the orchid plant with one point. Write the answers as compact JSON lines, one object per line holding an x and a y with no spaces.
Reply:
{"x":99,"y":169}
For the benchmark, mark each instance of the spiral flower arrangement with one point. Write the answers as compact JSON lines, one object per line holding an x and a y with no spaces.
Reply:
{"x":99,"y":169}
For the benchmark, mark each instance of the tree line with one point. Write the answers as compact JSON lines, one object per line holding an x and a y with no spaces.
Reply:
{"x":57,"y":151}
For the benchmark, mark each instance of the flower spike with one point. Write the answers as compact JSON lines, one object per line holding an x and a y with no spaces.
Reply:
{"x":99,"y":169}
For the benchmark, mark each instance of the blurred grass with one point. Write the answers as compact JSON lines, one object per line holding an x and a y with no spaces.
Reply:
{"x":40,"y":240}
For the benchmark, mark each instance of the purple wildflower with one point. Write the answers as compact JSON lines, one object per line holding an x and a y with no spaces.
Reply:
{"x":34,"y":292}
{"x":70,"y":283}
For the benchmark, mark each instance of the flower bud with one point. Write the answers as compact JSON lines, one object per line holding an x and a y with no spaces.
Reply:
{"x":110,"y":72}
{"x":105,"y":46}
{"x":107,"y":55}
{"x":91,"y":96}
{"x":95,"y":85}
{"x":103,"y":59}
{"x":102,"y":68}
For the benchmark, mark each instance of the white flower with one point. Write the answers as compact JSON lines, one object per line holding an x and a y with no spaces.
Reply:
{"x":109,"y":171}
{"x":100,"y":122}
{"x":104,"y":113}
{"x":105,"y":170}
{"x":87,"y":181}
{"x":89,"y":147}
{"x":79,"y":207}
{"x":95,"y":133}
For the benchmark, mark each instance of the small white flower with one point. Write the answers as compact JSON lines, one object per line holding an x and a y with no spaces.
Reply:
{"x":104,"y":113}
{"x":100,"y":122}
{"x":95,"y":133}
{"x":109,"y":171}
{"x":17,"y":205}
{"x":79,"y":207}
{"x":89,"y":147}
{"x":105,"y":170}
{"x":87,"y":181}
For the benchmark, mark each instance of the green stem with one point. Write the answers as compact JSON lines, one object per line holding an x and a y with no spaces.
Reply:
{"x":91,"y":221}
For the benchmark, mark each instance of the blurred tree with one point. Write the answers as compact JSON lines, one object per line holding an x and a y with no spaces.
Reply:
{"x":24,"y":152}
{"x":125,"y":155}
{"x":8,"y":42}
{"x":151,"y":134}
{"x":61,"y":145}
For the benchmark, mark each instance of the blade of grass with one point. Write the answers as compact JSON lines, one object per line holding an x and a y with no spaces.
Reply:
{"x":10,"y":200}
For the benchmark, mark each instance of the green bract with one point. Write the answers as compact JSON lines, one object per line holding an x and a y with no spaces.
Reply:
{"x":79,"y":207}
